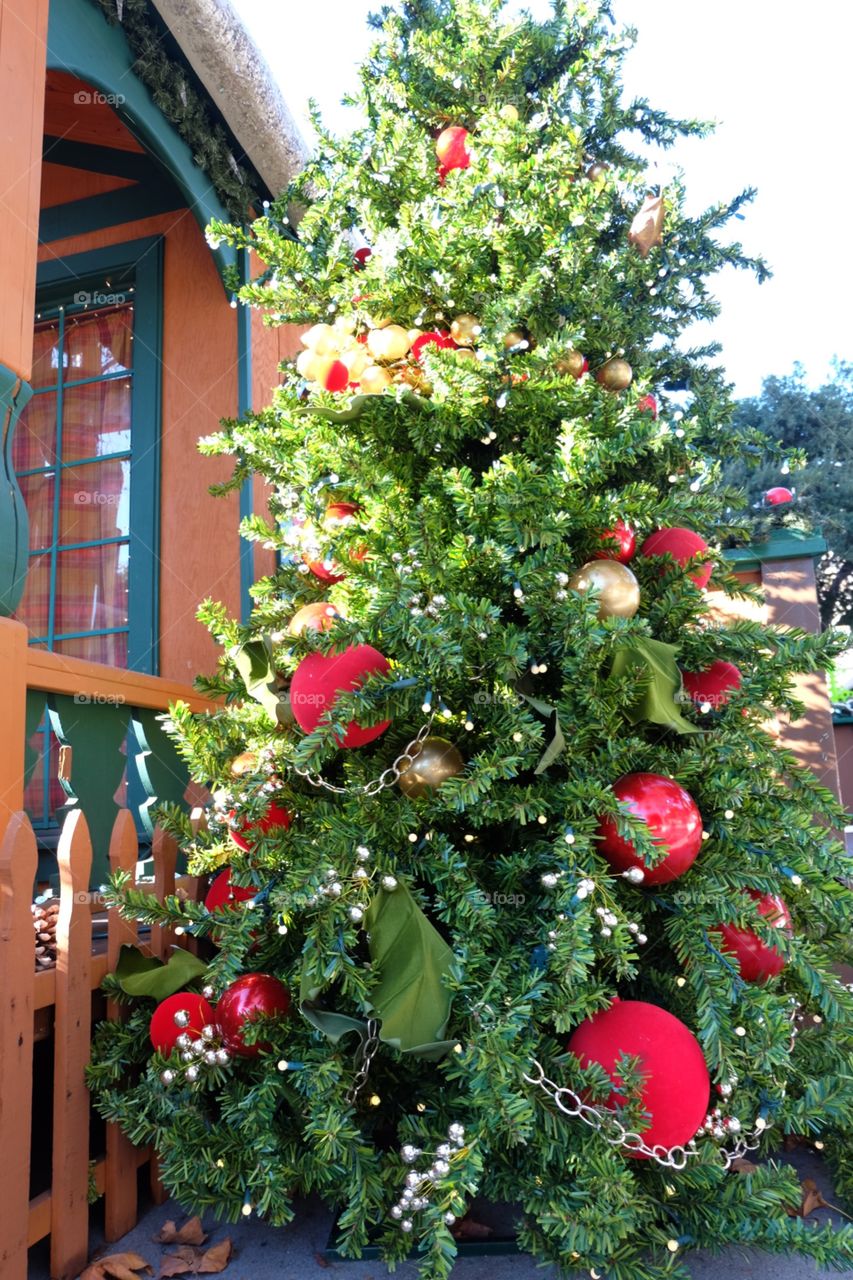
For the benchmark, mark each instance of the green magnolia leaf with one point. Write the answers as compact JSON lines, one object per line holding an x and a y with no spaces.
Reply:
{"x":357,"y":405}
{"x":411,"y":959}
{"x":141,"y":975}
{"x":254,"y":661}
{"x":654,"y":662}
{"x":333,"y":1025}
{"x":557,"y":745}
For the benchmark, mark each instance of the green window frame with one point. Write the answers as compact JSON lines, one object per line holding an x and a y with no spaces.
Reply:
{"x":135,"y":270}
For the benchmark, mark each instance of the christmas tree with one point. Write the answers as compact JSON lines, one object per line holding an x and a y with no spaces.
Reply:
{"x":513,"y":895}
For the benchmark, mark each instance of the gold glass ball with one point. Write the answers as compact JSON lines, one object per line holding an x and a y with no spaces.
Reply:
{"x":571,"y":362}
{"x":245,"y":762}
{"x":322,"y":339}
{"x":390,"y":343}
{"x":435,"y":761}
{"x":509,"y":112}
{"x":519,"y":339}
{"x":618,"y":589}
{"x":465,"y":330}
{"x":374,"y":379}
{"x":598,"y":171}
{"x":615,"y":374}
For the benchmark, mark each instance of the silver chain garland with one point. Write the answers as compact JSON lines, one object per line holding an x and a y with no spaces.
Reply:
{"x":613,"y":1131}
{"x":388,"y":778}
{"x":364,"y":1057}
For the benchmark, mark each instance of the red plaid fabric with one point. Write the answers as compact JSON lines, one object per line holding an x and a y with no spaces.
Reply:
{"x":91,"y":591}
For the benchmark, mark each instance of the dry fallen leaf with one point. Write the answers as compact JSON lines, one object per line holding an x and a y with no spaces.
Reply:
{"x":741,"y":1165}
{"x":647,"y":226}
{"x":118,"y":1266}
{"x":468,"y":1229}
{"x":812,"y":1199}
{"x":192,"y":1261}
{"x":190,"y":1233}
{"x":321,"y":1260}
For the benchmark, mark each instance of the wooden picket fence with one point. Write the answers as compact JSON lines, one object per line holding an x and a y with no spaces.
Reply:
{"x":62,"y":994}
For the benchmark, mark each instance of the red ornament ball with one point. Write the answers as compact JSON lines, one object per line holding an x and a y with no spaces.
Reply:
{"x":319,"y":679}
{"x":326,"y":571}
{"x":682,"y":545}
{"x":222,"y":893}
{"x":713,"y":685}
{"x":618,"y":543}
{"x":337,"y":377}
{"x":275,"y":816}
{"x":432,"y":338}
{"x":757,"y":961}
{"x":778,"y":496}
{"x":451,"y":147}
{"x":360,"y":258}
{"x":673,"y":819}
{"x":648,"y":404}
{"x":193,"y":1011}
{"x":313,"y":617}
{"x":255,"y":995}
{"x":676,"y":1085}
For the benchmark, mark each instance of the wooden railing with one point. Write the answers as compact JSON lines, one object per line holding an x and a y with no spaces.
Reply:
{"x":62,"y":994}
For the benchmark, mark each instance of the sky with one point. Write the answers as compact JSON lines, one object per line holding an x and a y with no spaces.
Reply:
{"x":776,"y":77}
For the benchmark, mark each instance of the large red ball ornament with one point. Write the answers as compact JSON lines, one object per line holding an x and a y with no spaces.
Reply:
{"x":451,"y":147}
{"x":674,"y":823}
{"x":682,"y":545}
{"x":360,"y":258}
{"x":326,"y":571}
{"x":193,"y":1013}
{"x":711,"y":687}
{"x":253,"y":996}
{"x":778,"y":496}
{"x":676,"y":1085}
{"x":313,"y":617}
{"x":343,"y":512}
{"x":757,"y":961}
{"x":319,"y":679}
{"x":618,"y":543}
{"x":648,"y":404}
{"x":336,"y":377}
{"x":275,"y":816}
{"x":222,"y":893}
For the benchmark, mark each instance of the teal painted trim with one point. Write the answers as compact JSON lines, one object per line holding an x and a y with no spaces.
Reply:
{"x":78,"y":462}
{"x":111,"y":209}
{"x":787,"y":544}
{"x":136,"y":263}
{"x":244,"y":406}
{"x":842,"y":717}
{"x":97,"y":159}
{"x":81,"y":42}
{"x":57,"y":492}
{"x":14,"y":521}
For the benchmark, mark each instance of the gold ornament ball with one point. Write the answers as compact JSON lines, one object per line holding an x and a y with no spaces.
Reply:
{"x":435,"y":762}
{"x":597,"y":172}
{"x":321,"y":339}
{"x":618,"y":589}
{"x":509,"y":113}
{"x":465,"y":330}
{"x":615,"y":374}
{"x":390,"y":343}
{"x":519,"y":339}
{"x":572,"y":363}
{"x":374,"y":379}
{"x":245,"y":762}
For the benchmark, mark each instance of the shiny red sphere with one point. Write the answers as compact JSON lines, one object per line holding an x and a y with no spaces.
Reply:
{"x":451,"y":147}
{"x":319,"y":679}
{"x":778,"y":496}
{"x":757,"y":961}
{"x":682,"y":545}
{"x":222,"y":893}
{"x":676,"y":1085}
{"x":713,"y":685}
{"x":673,"y":819}
{"x":255,"y":995}
{"x":648,"y":404}
{"x":618,"y":543}
{"x":337,"y":378}
{"x":164,"y":1031}
{"x":433,"y":338}
{"x":360,"y":258}
{"x":276,"y":816}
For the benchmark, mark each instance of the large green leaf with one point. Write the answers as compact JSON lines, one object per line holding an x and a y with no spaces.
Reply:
{"x":141,"y":975}
{"x":654,"y":664}
{"x":411,"y":959}
{"x":254,"y":661}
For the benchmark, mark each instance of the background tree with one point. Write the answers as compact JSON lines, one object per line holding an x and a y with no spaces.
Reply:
{"x":818,"y":423}
{"x":506,"y":873}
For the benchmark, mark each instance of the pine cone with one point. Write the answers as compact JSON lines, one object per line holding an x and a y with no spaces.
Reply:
{"x":45,"y":915}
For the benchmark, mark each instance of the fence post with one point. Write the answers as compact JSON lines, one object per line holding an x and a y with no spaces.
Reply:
{"x":164,"y":851}
{"x":69,"y":1208}
{"x":13,"y":664}
{"x":18,"y":860}
{"x":121,"y":1162}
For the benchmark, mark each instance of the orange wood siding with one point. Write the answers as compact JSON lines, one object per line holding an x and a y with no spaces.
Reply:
{"x":23,"y":31}
{"x":88,"y":121}
{"x":60,"y":184}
